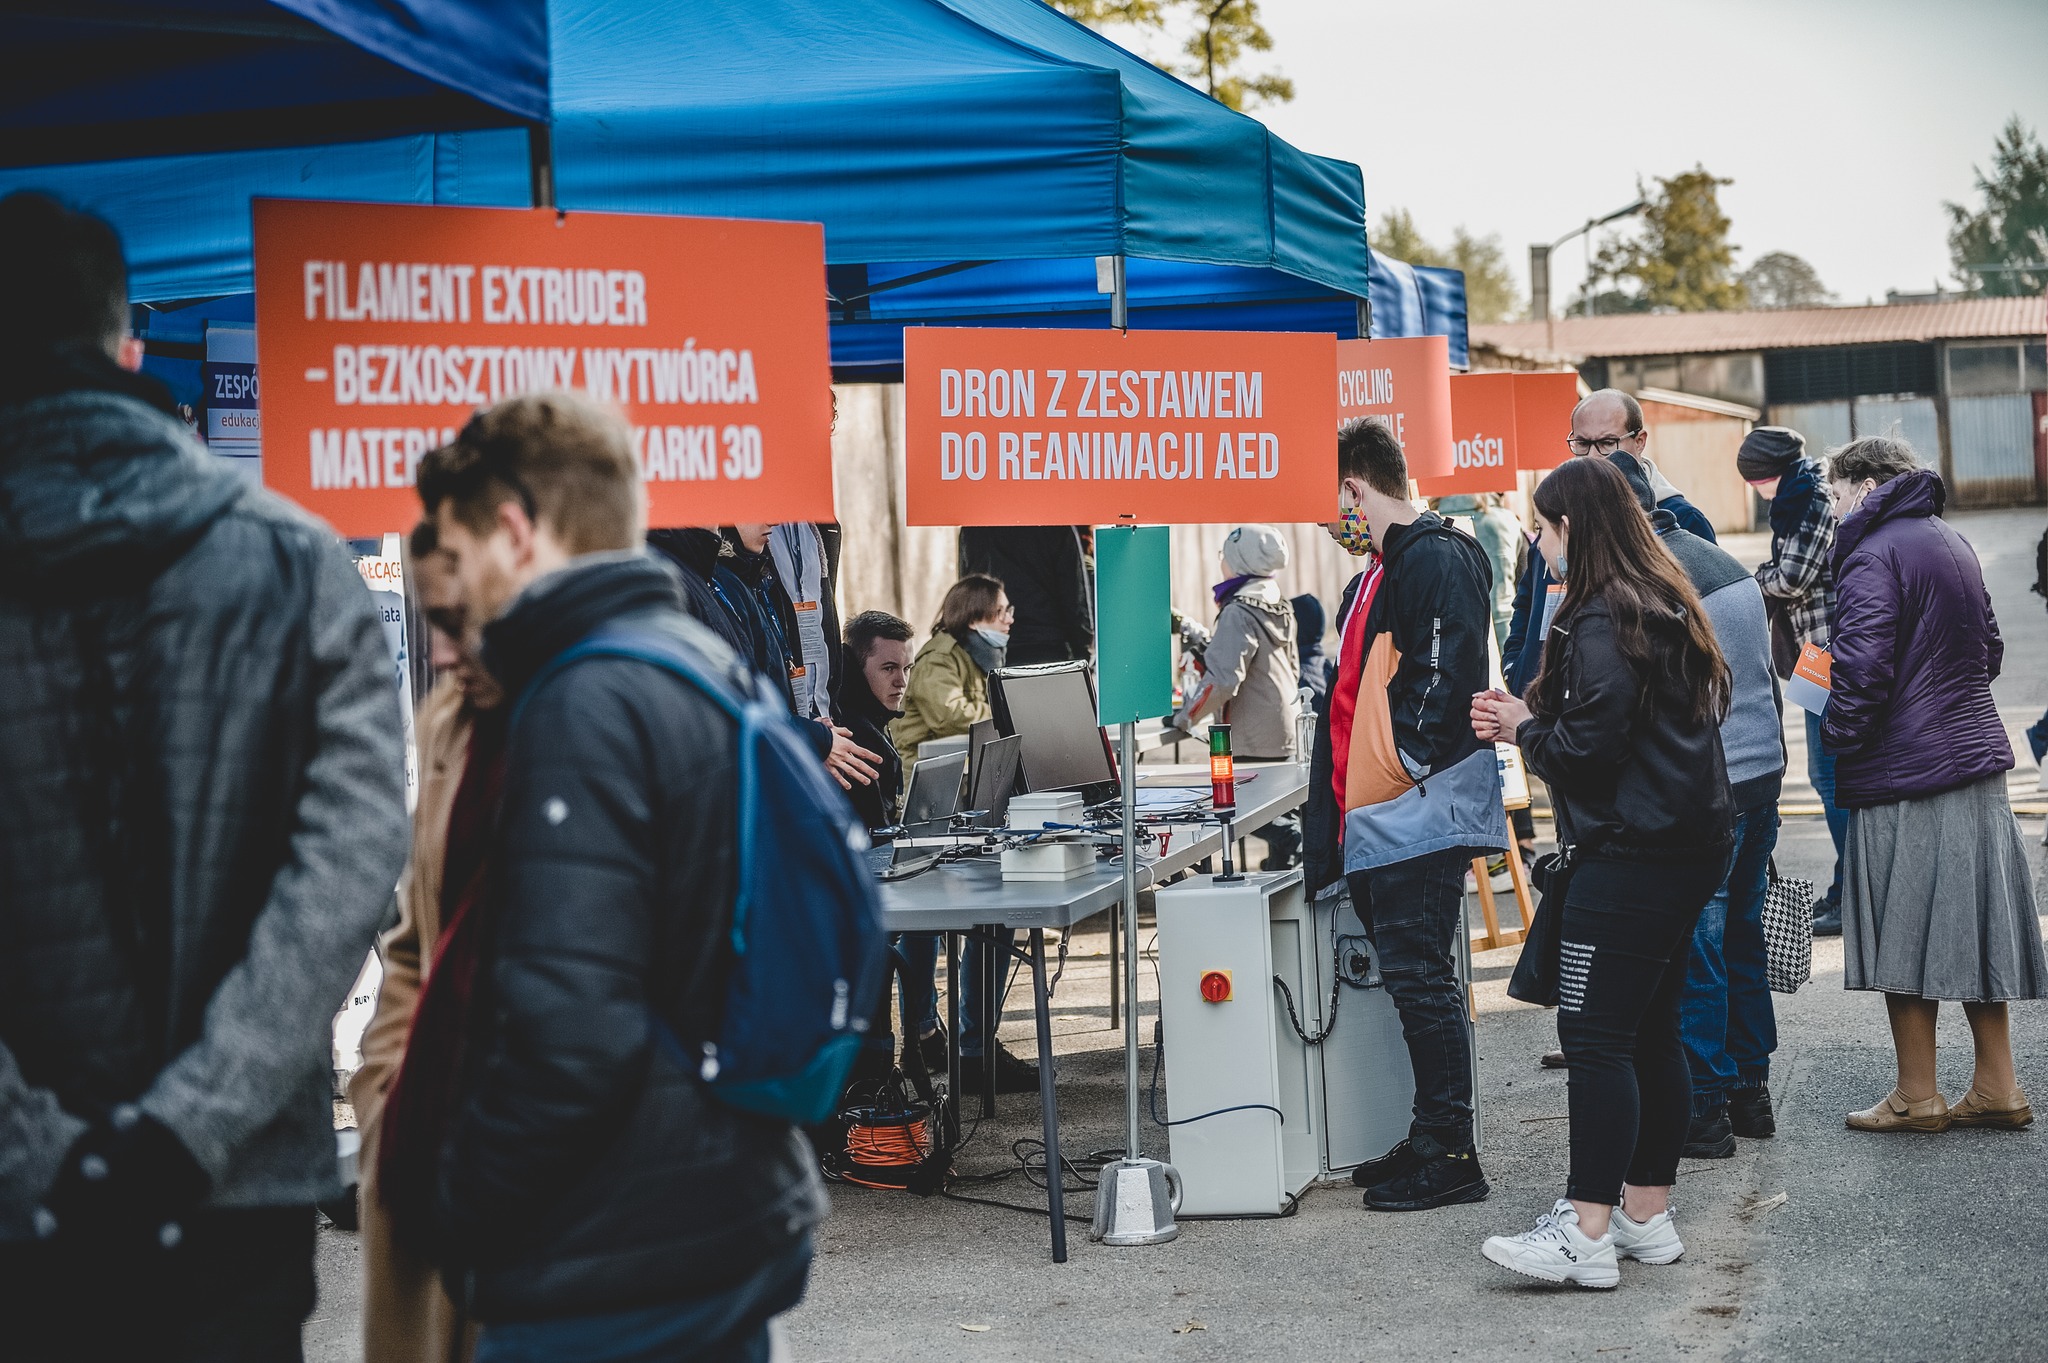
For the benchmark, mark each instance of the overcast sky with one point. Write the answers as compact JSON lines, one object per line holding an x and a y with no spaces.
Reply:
{"x":1844,"y":123}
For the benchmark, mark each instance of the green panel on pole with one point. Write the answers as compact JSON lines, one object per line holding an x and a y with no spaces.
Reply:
{"x":1133,"y":623}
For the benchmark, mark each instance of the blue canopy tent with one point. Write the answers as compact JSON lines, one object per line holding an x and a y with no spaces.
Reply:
{"x":970,"y":160}
{"x":93,"y":79}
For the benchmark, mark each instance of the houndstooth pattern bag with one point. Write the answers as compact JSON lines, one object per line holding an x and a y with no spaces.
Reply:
{"x":1788,"y":932}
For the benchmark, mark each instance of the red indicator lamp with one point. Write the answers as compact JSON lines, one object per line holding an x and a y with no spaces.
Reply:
{"x":1223,"y":793}
{"x":1215,"y":986}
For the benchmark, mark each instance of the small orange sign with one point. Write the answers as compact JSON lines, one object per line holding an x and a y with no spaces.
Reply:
{"x":1405,"y":384}
{"x":1816,"y":665}
{"x":380,"y":328}
{"x":1024,"y":426}
{"x":1482,"y":436}
{"x":1812,"y":679}
{"x":1543,"y":418}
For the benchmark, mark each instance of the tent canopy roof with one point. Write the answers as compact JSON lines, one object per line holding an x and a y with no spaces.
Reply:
{"x":94,"y":79}
{"x":992,"y":144}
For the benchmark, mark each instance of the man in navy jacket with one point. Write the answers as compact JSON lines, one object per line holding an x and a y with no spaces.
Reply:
{"x":1602,"y":423}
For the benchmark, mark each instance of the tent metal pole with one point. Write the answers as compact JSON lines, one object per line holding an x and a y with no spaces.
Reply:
{"x":1119,"y":296}
{"x":540,"y":164}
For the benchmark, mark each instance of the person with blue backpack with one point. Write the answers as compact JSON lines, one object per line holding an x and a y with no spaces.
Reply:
{"x":663,"y":962}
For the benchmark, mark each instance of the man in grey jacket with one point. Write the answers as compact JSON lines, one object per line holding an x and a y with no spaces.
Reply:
{"x":201,"y":765}
{"x":1725,"y":1014}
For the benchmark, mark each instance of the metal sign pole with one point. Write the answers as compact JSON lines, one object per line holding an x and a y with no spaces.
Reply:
{"x":1136,"y":1197}
{"x":1130,"y":911}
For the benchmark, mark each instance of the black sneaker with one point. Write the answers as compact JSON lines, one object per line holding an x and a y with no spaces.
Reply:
{"x":1440,"y":1180}
{"x":1012,"y":1075}
{"x":1827,"y":918}
{"x":1710,"y":1136}
{"x":1554,"y":1060}
{"x":930,"y":1052}
{"x":1750,"y":1115}
{"x":1395,"y":1162}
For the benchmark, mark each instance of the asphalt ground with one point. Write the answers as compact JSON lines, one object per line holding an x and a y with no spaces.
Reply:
{"x":1813,"y":1245}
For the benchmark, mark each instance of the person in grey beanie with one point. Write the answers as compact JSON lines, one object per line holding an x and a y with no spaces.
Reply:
{"x":1251,"y":675}
{"x":1725,"y":1016}
{"x":1798,"y":584}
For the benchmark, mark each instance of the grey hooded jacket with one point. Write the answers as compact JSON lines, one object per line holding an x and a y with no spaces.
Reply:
{"x":1252,"y":674}
{"x":201,"y":770}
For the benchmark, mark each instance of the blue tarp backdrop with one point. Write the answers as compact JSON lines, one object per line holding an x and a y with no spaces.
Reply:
{"x":93,"y":79}
{"x":987,"y":150}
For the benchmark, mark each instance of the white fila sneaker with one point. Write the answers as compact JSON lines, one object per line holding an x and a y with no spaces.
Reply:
{"x":1651,"y":1242}
{"x":1557,"y":1251}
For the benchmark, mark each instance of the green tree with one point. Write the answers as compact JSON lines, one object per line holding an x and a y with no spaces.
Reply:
{"x":1224,"y":31}
{"x":1399,"y":237}
{"x":2011,"y":229}
{"x":1681,"y":260}
{"x":1096,"y":13}
{"x":1780,"y":279}
{"x":1220,"y":34}
{"x":1491,"y":294}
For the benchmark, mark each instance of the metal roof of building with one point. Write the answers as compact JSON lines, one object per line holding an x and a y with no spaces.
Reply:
{"x":1695,"y":333}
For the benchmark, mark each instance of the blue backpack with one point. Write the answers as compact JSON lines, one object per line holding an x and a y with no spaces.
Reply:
{"x":807,"y":940}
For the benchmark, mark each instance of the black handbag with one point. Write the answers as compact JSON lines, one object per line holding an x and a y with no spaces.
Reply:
{"x":1536,"y":972}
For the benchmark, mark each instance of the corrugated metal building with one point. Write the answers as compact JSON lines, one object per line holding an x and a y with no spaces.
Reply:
{"x":1965,"y":380}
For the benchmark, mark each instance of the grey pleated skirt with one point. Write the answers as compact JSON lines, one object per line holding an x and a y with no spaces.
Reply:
{"x":1938,"y":899}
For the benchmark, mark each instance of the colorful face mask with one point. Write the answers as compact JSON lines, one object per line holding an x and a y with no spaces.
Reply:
{"x":1353,"y":534}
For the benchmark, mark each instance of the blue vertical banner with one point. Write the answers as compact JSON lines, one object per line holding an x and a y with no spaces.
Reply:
{"x":1133,"y":623}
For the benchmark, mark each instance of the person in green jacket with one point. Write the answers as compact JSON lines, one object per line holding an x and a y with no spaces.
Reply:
{"x":949,"y":677}
{"x":949,"y":695}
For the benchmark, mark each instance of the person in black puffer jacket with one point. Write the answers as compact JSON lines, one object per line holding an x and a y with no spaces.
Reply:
{"x":1045,"y":573}
{"x":589,"y":1186}
{"x":1625,"y":730}
{"x":203,"y":779}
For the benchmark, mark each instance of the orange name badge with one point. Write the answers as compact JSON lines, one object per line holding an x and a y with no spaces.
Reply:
{"x":380,"y":328}
{"x":1032,"y":426}
{"x":1404,"y":384}
{"x":1812,"y":679}
{"x":1482,"y":436}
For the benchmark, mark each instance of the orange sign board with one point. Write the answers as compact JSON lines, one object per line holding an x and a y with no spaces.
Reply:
{"x":1404,"y":384}
{"x":380,"y":328}
{"x":1482,"y":436}
{"x":1022,"y":426}
{"x":1543,"y":418}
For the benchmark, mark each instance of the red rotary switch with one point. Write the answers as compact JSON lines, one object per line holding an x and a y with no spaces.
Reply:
{"x":1216,"y":986}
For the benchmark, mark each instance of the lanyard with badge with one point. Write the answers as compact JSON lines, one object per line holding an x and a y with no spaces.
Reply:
{"x":808,"y":681}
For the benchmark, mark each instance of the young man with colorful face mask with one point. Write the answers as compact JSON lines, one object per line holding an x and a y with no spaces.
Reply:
{"x":1402,"y":796}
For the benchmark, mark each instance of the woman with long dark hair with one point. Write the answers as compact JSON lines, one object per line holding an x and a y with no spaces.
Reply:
{"x":1623,"y":722}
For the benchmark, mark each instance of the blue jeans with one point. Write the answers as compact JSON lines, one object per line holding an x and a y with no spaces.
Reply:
{"x":972,"y":1003}
{"x":917,"y":966}
{"x":1820,"y":769}
{"x":1724,"y":1013}
{"x":727,"y":1327}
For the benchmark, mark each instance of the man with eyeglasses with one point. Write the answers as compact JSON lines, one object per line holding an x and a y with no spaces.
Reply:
{"x":1603,"y":422}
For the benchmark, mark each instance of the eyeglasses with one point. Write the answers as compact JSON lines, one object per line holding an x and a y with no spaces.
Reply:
{"x":1606,"y":444}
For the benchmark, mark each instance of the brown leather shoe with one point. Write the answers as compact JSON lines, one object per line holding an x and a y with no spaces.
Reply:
{"x":2010,"y":1112}
{"x":1896,"y":1114}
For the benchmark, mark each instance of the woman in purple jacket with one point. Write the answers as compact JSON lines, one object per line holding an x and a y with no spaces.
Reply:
{"x":1937,"y":898}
